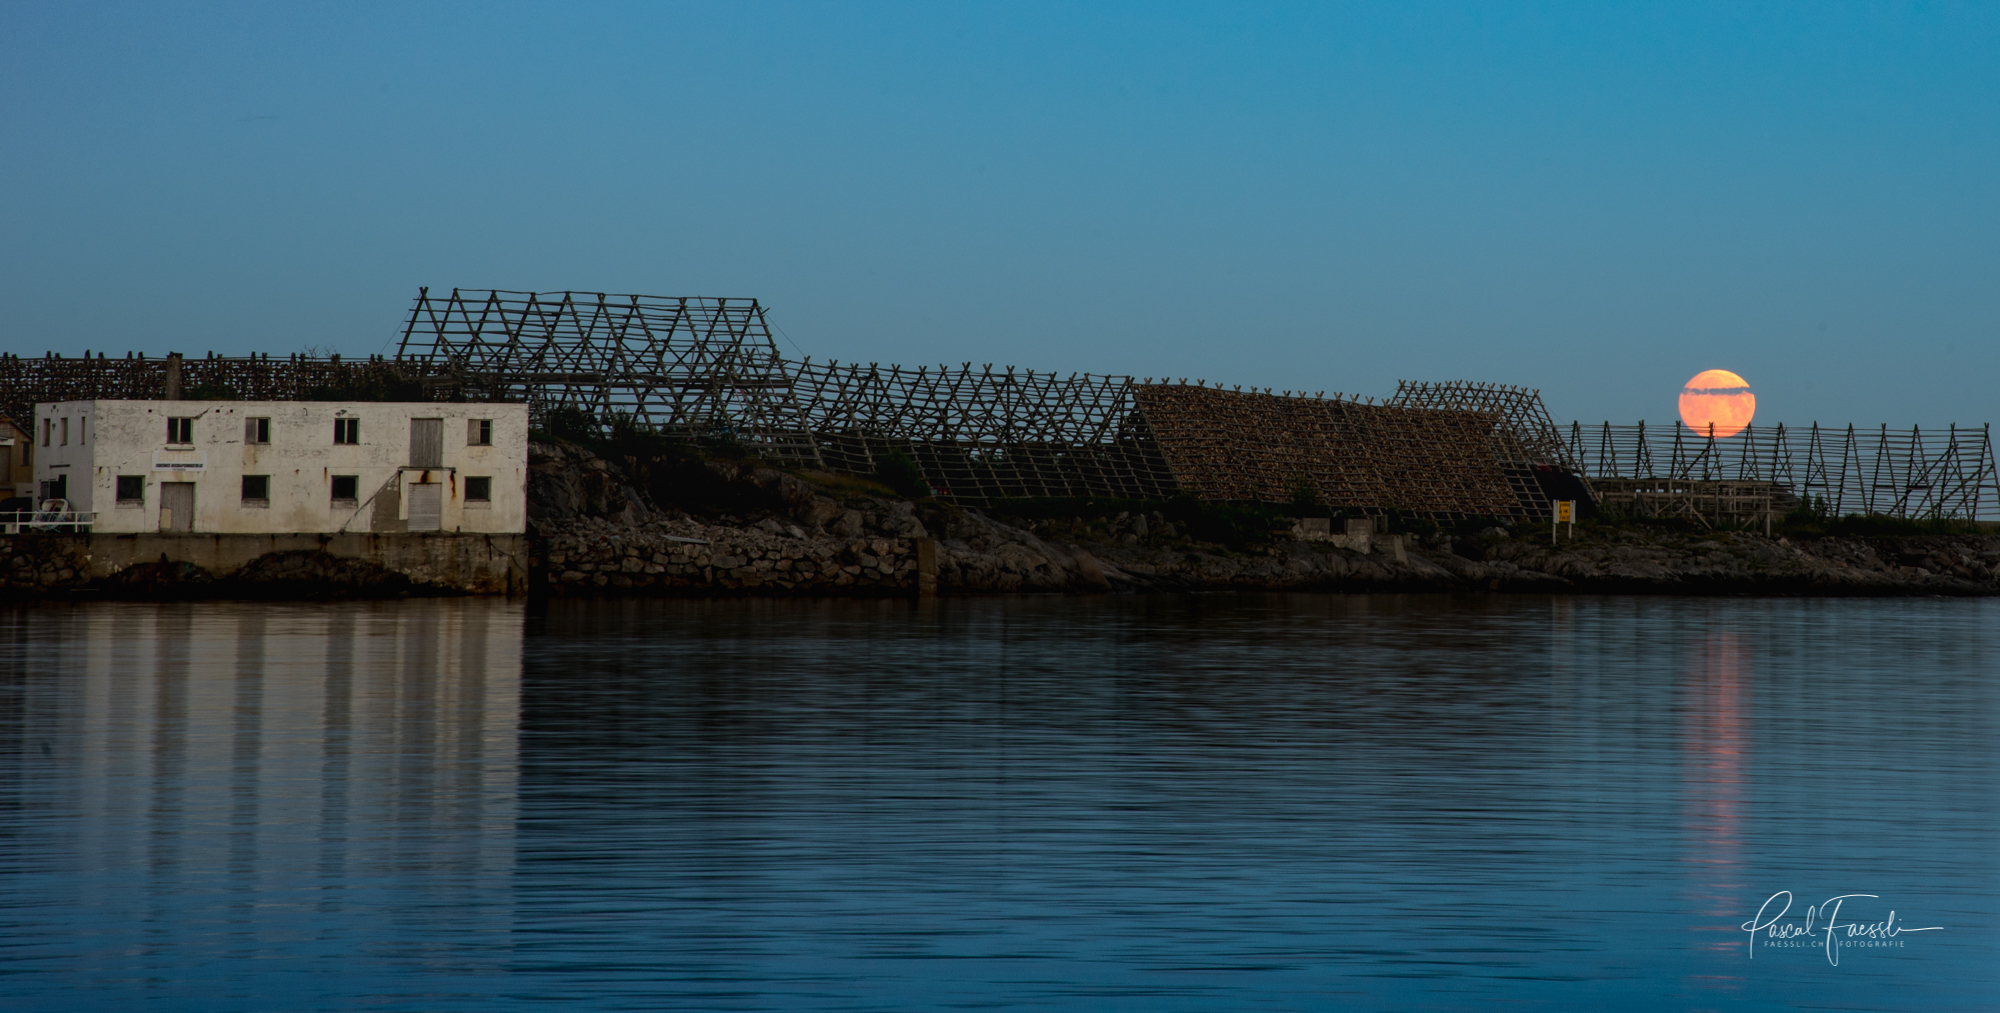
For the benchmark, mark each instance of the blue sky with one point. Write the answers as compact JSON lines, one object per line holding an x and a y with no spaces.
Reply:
{"x":1597,"y":200}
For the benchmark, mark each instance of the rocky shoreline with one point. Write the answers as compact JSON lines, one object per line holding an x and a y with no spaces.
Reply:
{"x":805,"y":534}
{"x":673,"y":524}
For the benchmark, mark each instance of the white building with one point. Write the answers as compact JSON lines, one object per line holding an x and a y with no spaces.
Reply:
{"x":17,"y":461}
{"x":281,"y":467}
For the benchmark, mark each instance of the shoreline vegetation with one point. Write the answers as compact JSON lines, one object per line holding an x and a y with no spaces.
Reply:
{"x":636,"y":515}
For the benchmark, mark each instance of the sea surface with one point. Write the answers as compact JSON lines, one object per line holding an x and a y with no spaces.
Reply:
{"x":1203,"y":802}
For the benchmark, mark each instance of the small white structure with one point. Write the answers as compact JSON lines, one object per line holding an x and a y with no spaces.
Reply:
{"x":285,"y":467}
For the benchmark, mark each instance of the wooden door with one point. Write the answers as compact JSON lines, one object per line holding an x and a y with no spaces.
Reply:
{"x":176,"y":506}
{"x":426,"y":443}
{"x":427,"y":506}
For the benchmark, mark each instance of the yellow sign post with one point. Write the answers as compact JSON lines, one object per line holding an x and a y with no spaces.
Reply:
{"x":1565,"y":514}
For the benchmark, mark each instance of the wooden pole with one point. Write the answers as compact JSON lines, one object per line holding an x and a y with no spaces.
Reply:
{"x":927,"y":568}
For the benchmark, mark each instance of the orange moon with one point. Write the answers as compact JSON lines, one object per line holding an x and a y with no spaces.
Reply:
{"x":1718,"y":397}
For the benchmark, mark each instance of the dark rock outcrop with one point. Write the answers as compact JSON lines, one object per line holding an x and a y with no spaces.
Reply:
{"x":733,"y":527}
{"x":163,"y":579}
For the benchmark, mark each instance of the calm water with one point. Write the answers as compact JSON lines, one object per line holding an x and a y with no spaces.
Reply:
{"x":1292,"y":802}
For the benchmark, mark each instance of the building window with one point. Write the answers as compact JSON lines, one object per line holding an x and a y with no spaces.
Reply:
{"x":347,"y":431}
{"x":65,"y":431}
{"x":256,"y":490}
{"x":479,"y":490}
{"x":180,"y":430}
{"x":83,"y":429}
{"x":256,"y":430}
{"x":478,"y":432}
{"x":345,"y":488}
{"x":131,"y":489}
{"x":48,"y":431}
{"x":426,"y":443}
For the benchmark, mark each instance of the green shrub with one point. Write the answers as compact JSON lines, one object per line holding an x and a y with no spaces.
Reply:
{"x":896,"y":470}
{"x":630,"y":438}
{"x":1305,"y":499}
{"x":1236,"y":525}
{"x":1811,"y":510}
{"x":572,"y":424}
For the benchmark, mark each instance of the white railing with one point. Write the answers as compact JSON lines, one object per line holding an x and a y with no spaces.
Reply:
{"x":52,"y":515}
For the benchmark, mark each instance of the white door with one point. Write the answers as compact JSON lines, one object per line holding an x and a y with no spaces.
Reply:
{"x":427,"y":506}
{"x":176,"y":506}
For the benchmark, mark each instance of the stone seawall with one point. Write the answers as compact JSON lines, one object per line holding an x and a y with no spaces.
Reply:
{"x":726,"y":560}
{"x":38,"y":563}
{"x":369,"y":564}
{"x":684,"y":556}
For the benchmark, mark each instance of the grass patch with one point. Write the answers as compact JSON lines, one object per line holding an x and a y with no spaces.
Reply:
{"x":845,"y":485}
{"x":1236,"y":525}
{"x":1812,"y":518}
{"x":1874,"y":526}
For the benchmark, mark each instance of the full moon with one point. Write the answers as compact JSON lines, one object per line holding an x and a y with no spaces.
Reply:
{"x":1717,"y":397}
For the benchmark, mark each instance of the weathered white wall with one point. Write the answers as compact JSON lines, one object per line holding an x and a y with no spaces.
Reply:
{"x":112,"y":438}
